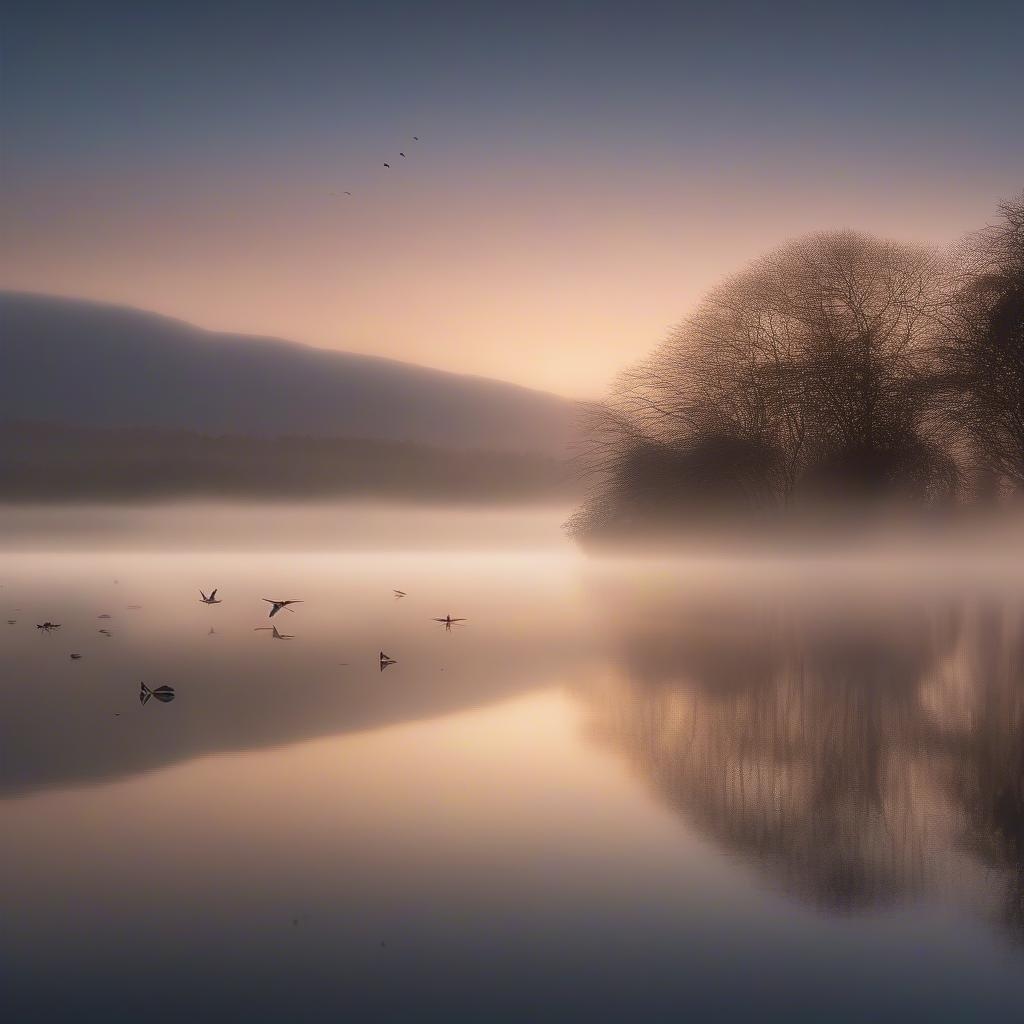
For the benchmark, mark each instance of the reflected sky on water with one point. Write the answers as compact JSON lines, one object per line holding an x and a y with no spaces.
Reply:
{"x":623,"y":789}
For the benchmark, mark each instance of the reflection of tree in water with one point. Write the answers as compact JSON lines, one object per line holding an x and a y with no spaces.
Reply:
{"x":805,"y":736}
{"x":979,"y":715}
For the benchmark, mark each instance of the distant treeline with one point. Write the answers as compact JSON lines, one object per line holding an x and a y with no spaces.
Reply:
{"x":840,"y":372}
{"x":50,"y":462}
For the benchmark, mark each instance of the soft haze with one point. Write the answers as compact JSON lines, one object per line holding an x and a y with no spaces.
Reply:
{"x":584,"y":172}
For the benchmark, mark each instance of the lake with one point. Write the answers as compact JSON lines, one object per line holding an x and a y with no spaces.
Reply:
{"x":659,"y":788}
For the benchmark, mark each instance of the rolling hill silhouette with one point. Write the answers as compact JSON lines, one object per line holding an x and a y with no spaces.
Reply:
{"x":102,"y":366}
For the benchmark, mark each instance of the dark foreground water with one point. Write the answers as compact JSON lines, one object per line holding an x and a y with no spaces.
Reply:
{"x":622,"y":790}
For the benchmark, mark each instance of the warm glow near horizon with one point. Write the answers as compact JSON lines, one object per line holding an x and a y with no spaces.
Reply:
{"x":532,"y":234}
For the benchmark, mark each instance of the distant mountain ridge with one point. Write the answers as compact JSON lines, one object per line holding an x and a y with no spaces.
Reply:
{"x":85,"y":363}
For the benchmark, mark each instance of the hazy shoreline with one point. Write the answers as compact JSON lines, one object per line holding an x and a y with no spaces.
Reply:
{"x":61,"y":463}
{"x":219,"y":525}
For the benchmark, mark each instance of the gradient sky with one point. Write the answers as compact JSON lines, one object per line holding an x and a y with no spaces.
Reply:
{"x":586,"y":170}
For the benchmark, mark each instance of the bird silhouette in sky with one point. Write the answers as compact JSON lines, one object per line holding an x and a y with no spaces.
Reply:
{"x":449,"y":622}
{"x":415,"y":138}
{"x":212,"y":599}
{"x":385,"y":660}
{"x":399,"y":594}
{"x":47,"y":626}
{"x":276,"y":606}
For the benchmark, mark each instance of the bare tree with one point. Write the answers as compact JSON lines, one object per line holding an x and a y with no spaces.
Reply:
{"x":805,"y":373}
{"x":983,"y":347}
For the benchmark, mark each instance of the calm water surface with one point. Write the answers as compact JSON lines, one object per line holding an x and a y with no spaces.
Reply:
{"x":623,"y":790}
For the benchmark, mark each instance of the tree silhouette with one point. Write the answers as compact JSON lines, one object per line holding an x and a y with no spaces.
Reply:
{"x":805,"y":376}
{"x":982,"y":349}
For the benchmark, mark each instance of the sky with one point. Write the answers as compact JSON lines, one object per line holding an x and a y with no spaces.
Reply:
{"x":585,"y":171}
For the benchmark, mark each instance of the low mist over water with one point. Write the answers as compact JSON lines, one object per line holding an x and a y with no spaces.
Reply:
{"x":644,"y":776}
{"x":287,"y":526}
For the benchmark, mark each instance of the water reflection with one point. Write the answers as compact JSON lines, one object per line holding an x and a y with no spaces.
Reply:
{"x":857,"y":747}
{"x":59,"y":728}
{"x":862,"y":744}
{"x":861,"y":749}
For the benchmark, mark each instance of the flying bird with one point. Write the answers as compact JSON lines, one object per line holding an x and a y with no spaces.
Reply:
{"x":339,"y":193}
{"x":276,"y":606}
{"x":105,"y":616}
{"x":106,"y":632}
{"x":276,"y":635}
{"x":47,"y":626}
{"x":387,"y":164}
{"x":164,"y":694}
{"x":449,"y":622}
{"x":415,"y":138}
{"x":385,"y":660}
{"x":212,"y":599}
{"x":11,"y":622}
{"x":399,"y":594}
{"x":401,"y":154}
